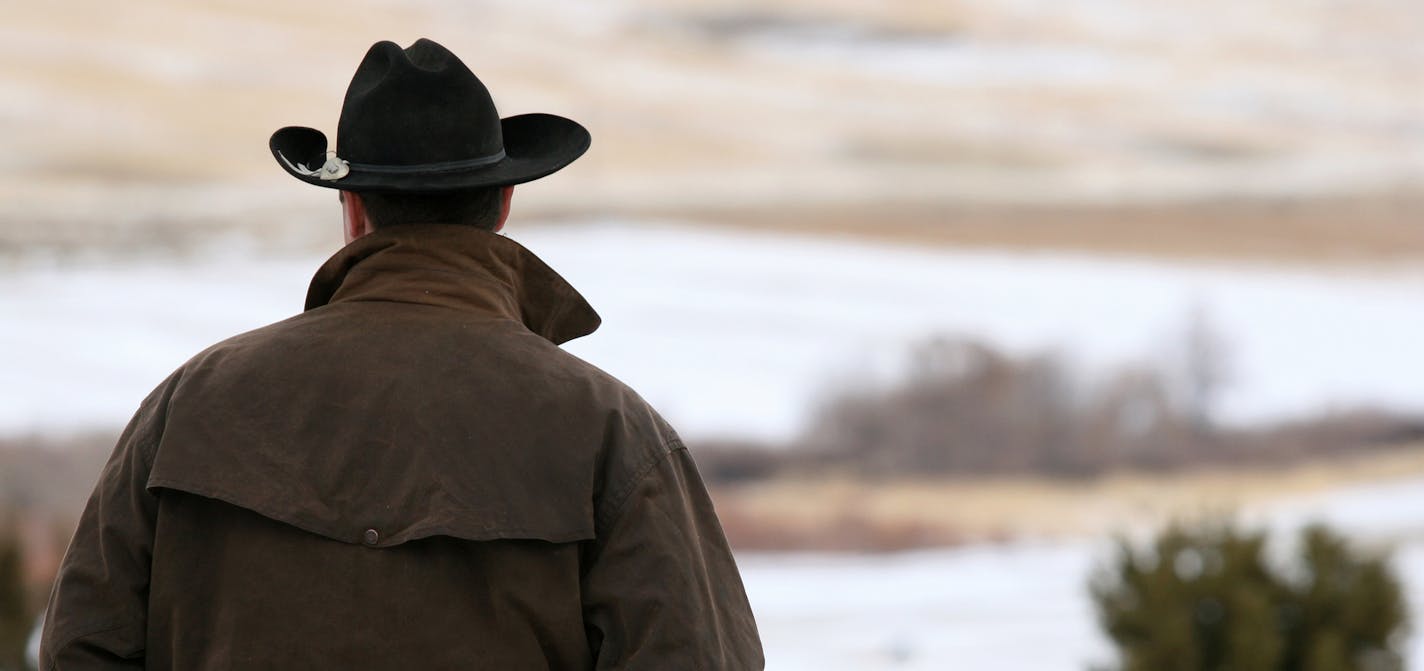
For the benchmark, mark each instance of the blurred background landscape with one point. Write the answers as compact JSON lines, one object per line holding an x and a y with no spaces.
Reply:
{"x":944,"y":296}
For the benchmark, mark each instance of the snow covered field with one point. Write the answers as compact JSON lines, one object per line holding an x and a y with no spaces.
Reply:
{"x":738,"y":335}
{"x":1011,"y":608}
{"x":1020,"y":606}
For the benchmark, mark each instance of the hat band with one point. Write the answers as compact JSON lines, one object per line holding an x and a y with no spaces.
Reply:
{"x":446,"y":166}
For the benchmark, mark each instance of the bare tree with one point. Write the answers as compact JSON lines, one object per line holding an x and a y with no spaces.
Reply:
{"x":1204,"y":370}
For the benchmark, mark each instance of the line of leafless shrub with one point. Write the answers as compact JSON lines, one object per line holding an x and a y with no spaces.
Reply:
{"x":966,"y":409}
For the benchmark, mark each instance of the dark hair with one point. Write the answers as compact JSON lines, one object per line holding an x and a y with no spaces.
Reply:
{"x":476,"y":207}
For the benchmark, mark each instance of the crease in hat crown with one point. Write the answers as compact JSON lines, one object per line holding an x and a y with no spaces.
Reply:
{"x":418,"y":119}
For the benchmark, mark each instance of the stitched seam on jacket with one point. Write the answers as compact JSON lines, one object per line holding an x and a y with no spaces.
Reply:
{"x":671,"y":447}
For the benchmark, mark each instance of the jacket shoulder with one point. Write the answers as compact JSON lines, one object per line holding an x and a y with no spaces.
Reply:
{"x":468,"y":428}
{"x":637,"y":438}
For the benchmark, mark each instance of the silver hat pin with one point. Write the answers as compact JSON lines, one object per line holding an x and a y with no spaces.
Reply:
{"x":335,"y":167}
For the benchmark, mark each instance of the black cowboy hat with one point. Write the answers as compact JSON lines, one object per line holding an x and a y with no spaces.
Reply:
{"x":417,"y":120}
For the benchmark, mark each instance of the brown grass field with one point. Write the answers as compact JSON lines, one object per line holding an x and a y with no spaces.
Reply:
{"x":1383,"y":229}
{"x":1270,"y":131}
{"x":843,"y":513}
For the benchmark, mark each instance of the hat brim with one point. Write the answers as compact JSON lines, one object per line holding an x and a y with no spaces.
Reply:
{"x":535,"y":146}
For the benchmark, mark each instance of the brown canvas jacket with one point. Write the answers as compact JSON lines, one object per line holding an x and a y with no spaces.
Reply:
{"x":410,"y":474}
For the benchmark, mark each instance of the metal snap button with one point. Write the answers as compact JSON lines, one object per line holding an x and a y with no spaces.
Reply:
{"x":372,"y":537}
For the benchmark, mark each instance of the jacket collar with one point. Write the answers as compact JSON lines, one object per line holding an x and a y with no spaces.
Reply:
{"x":459,"y":267}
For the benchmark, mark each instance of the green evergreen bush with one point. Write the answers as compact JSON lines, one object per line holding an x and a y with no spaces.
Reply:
{"x":1209,"y":598}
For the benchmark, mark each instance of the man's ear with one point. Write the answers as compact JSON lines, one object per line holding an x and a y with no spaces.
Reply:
{"x":354,"y":220}
{"x":506,"y":196}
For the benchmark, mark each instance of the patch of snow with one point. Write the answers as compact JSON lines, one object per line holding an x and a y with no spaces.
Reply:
{"x":733,"y":334}
{"x":739,"y":333}
{"x":969,"y":608}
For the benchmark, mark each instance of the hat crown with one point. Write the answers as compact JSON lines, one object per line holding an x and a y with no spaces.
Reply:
{"x":416,"y":106}
{"x":416,"y":120}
